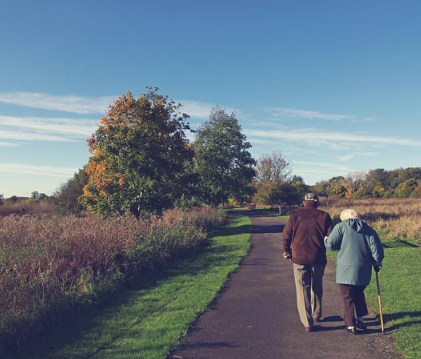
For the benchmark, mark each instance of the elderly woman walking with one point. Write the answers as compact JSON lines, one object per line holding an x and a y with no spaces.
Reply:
{"x":359,"y":248}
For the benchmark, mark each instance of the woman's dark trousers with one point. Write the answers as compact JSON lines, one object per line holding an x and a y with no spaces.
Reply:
{"x":353,"y":300}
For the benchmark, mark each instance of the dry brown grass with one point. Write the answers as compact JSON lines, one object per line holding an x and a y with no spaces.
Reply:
{"x":394,"y":219}
{"x":26,"y":207}
{"x":51,"y":263}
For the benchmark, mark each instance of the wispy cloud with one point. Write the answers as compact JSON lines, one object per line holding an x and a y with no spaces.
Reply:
{"x":299,"y":113}
{"x":66,"y":126}
{"x":196,"y":109}
{"x":364,"y":119}
{"x":8,"y":144}
{"x":315,"y":137}
{"x":90,"y":105}
{"x":345,"y":158}
{"x":50,"y":171}
{"x":201,"y":110}
{"x":31,"y":136}
{"x":277,"y":113}
{"x":351,"y":156}
{"x":324,"y":165}
{"x":74,"y":104}
{"x":320,"y":169}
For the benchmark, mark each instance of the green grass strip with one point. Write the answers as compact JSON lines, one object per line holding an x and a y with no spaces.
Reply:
{"x":401,"y":298}
{"x":149,"y":323}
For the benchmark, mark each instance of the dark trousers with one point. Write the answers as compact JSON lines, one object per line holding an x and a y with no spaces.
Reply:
{"x":353,"y":300}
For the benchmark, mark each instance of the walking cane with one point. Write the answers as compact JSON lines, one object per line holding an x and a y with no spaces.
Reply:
{"x":380,"y":301}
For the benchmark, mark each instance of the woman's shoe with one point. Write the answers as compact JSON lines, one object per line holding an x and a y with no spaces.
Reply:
{"x":361,"y":325}
{"x":351,"y":330}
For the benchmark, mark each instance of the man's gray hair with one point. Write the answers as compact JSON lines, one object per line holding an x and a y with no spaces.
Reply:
{"x":349,"y":213}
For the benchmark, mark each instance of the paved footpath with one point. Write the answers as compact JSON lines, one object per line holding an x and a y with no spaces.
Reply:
{"x":256,"y":316}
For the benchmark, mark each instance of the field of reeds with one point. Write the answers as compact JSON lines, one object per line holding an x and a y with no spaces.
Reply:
{"x":396,"y":220}
{"x":49,"y":265}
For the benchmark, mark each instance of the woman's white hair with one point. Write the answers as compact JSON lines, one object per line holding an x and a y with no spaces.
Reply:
{"x":349,"y":213}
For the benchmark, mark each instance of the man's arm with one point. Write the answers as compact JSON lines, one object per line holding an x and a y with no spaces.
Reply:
{"x":329,"y":225}
{"x":287,"y":239}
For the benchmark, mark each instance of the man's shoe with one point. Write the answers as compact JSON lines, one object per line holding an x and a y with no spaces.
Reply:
{"x":308,"y":329}
{"x":351,"y":330}
{"x":361,"y":325}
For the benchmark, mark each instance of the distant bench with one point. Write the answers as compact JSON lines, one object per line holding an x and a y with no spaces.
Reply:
{"x":251,"y":206}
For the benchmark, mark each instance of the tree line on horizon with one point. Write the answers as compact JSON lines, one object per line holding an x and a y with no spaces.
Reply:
{"x":377,"y":183}
{"x":142,"y":162}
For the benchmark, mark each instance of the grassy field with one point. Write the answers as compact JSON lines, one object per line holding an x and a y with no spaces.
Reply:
{"x":148,"y":323}
{"x":396,"y":220}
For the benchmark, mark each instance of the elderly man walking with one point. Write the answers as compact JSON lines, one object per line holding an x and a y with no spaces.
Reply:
{"x":303,"y":238}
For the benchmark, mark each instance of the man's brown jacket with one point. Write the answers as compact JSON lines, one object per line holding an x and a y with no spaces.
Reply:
{"x":304,"y":233}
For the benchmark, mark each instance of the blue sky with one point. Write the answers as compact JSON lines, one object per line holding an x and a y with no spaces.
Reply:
{"x":334,"y":85}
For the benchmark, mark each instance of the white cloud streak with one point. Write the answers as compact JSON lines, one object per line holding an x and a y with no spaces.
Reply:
{"x":8,"y":144}
{"x":345,"y":158}
{"x":90,"y":105}
{"x":74,"y":104}
{"x":66,"y":126}
{"x":20,"y":168}
{"x":196,"y":109}
{"x":316,"y":170}
{"x":27,"y":136}
{"x":299,"y":113}
{"x":324,"y":165}
{"x":311,"y":136}
{"x":201,"y":110}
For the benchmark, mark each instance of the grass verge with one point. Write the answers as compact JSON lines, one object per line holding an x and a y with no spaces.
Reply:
{"x":148,"y":323}
{"x":401,"y":298}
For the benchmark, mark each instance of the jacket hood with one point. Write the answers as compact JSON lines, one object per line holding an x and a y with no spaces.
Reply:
{"x":356,"y":224}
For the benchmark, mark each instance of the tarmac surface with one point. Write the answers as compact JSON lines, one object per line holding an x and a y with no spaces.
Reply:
{"x":255,"y":316}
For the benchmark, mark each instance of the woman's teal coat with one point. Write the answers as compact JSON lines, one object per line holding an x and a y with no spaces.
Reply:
{"x":358,"y":247}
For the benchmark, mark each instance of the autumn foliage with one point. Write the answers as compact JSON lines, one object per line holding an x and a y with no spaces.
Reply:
{"x":139,"y":155}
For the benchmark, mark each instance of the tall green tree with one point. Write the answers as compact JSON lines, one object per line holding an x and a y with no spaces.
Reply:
{"x":66,"y":197}
{"x":284,"y":194}
{"x":139,"y":155}
{"x":222,"y":161}
{"x":321,"y":188}
{"x":299,"y":184}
